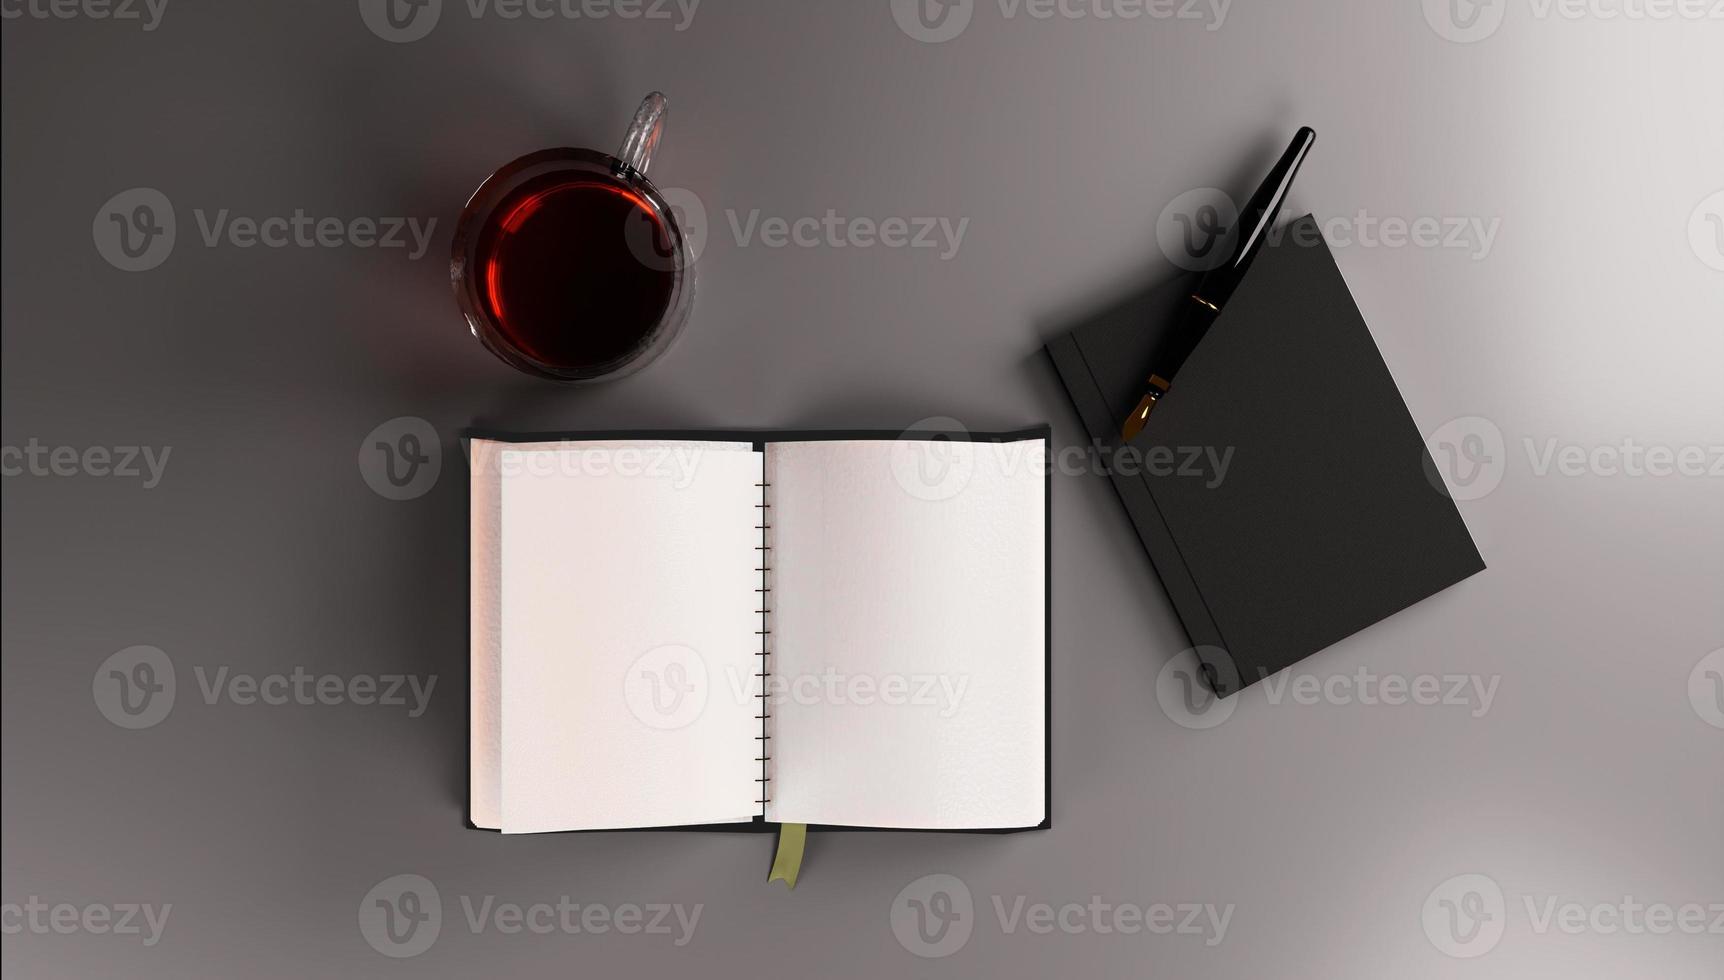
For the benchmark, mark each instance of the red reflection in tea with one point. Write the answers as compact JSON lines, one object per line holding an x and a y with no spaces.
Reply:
{"x":577,"y":272}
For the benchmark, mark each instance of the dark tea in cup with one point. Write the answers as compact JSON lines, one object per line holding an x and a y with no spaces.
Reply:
{"x":570,"y":265}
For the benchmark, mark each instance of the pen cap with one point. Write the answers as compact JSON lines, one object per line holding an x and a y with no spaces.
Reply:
{"x":1258,"y":217}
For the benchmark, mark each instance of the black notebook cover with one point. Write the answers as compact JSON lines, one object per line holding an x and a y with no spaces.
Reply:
{"x":1324,"y":514}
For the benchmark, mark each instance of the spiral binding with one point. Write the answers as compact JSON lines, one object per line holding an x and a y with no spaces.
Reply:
{"x":764,"y":674}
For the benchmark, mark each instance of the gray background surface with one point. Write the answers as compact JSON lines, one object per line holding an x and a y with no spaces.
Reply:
{"x":1592,"y":320}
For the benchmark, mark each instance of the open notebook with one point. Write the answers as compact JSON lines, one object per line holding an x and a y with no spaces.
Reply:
{"x":830,"y":629}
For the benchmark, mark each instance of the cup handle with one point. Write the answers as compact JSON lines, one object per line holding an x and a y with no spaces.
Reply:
{"x":644,"y":133}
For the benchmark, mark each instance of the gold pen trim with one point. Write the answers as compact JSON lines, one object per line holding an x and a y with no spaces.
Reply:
{"x":1134,"y":422}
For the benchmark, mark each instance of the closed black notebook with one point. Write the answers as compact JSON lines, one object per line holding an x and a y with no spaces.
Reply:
{"x":1286,"y":498}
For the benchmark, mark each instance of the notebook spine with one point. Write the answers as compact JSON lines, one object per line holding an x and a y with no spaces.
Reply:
{"x":763,"y":609}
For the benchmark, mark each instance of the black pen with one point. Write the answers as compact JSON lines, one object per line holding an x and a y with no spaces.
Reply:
{"x":1217,"y":285}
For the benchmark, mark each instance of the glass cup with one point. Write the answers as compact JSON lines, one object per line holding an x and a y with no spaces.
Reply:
{"x":569,"y":264}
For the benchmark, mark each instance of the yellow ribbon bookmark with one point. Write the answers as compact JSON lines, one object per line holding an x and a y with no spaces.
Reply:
{"x":788,"y":862}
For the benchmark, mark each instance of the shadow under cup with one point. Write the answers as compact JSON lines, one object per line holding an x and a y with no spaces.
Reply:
{"x":569,"y":265}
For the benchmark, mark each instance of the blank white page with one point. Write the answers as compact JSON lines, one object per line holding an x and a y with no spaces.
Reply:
{"x":909,"y":637}
{"x":624,"y":635}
